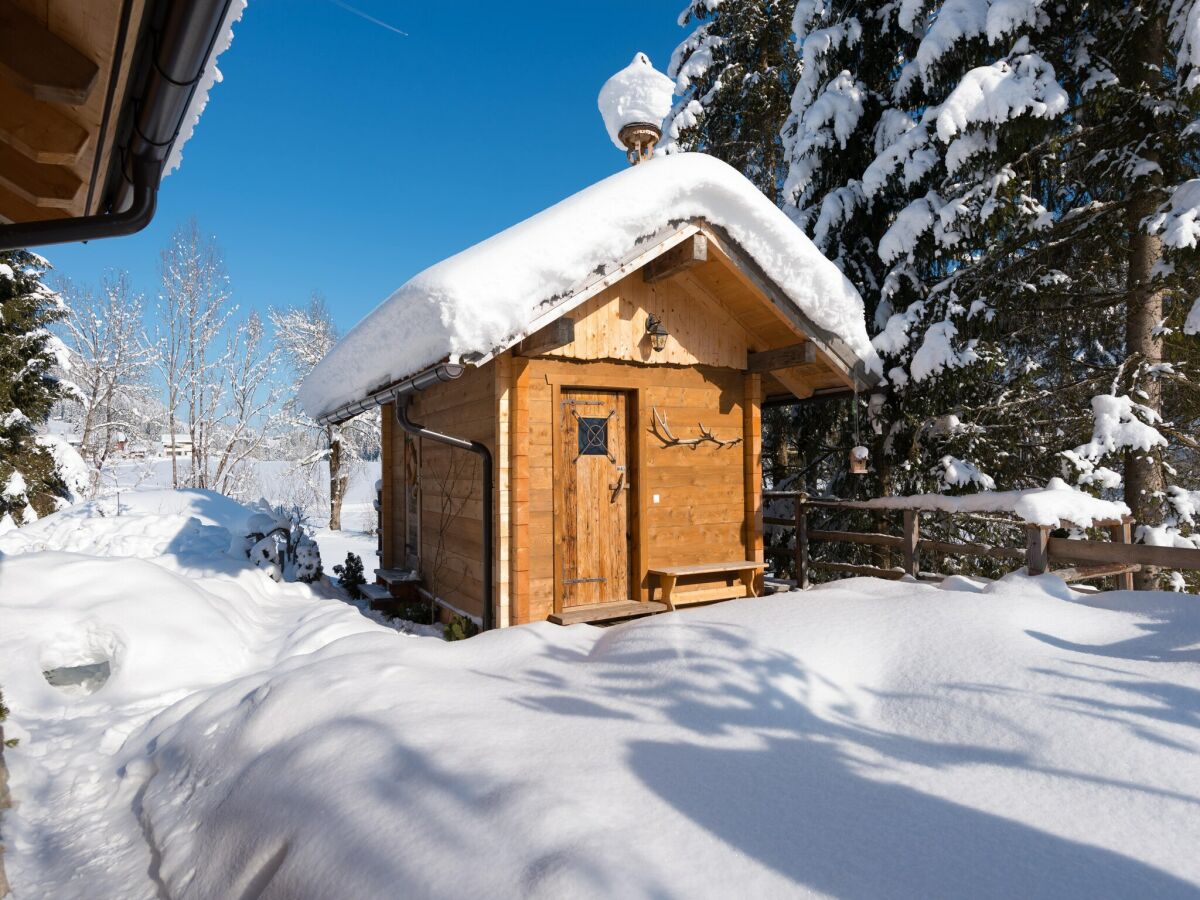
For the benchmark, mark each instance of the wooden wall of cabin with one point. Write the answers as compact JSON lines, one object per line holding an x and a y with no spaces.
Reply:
{"x":451,"y":504}
{"x":708,"y":505}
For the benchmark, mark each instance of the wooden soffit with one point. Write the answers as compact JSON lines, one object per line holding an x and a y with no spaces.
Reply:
{"x":64,"y":70}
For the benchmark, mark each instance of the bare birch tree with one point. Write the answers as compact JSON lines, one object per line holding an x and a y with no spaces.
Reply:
{"x":109,"y":363}
{"x":237,"y":432}
{"x":193,"y":311}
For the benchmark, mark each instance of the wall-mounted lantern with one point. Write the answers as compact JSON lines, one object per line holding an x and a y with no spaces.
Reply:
{"x":658,"y":334}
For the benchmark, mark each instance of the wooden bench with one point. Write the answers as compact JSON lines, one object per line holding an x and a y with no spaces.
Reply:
{"x":667,"y":577}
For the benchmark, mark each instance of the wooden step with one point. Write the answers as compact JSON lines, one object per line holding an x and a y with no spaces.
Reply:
{"x":392,"y":577}
{"x":375,"y":592}
{"x":602,"y":612}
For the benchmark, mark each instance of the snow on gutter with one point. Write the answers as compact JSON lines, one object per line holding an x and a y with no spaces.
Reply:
{"x":211,"y":76}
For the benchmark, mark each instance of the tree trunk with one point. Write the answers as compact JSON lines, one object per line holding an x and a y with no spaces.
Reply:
{"x":337,"y":484}
{"x":174,"y":456}
{"x":1144,"y":306}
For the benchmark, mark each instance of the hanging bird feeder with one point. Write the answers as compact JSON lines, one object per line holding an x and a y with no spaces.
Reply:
{"x":859,"y":455}
{"x":858,"y":460}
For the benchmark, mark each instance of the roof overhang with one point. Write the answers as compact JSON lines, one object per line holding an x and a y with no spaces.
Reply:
{"x":93,"y":97}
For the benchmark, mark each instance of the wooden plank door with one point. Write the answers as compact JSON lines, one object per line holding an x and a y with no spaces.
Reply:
{"x":592,"y":493}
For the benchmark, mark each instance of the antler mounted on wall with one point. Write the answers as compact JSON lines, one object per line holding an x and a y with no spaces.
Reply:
{"x":663,"y":431}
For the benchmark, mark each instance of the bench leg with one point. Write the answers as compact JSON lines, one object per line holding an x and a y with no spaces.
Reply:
{"x":747,"y":577}
{"x":667,"y":584}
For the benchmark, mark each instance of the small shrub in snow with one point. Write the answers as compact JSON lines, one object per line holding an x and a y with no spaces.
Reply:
{"x":11,"y":742}
{"x":278,"y":543}
{"x":350,"y":575}
{"x":460,"y":628}
{"x":419,"y":613}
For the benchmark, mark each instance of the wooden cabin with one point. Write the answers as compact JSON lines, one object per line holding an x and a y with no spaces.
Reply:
{"x":623,"y":428}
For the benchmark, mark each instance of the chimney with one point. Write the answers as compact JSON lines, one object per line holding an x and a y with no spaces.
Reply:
{"x":634,"y":103}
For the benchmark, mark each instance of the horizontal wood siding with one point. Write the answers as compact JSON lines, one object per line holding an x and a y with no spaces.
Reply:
{"x":451,"y":487}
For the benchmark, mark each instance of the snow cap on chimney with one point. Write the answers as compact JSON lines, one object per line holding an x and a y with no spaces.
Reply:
{"x":634,"y":103}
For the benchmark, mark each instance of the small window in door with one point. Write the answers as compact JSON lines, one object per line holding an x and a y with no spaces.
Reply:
{"x":593,"y":436}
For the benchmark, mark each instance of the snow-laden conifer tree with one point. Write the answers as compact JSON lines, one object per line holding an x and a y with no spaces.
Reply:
{"x":30,"y":485}
{"x":1013,"y":189}
{"x":1035,"y":171}
{"x":734,"y":74}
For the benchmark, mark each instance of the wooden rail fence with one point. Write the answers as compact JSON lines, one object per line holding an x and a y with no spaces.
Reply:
{"x":1118,"y":558}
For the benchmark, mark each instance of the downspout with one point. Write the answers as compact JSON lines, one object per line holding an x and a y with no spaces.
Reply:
{"x":485,"y":455}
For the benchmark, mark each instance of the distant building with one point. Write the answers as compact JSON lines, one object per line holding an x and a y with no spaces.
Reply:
{"x":180,"y":446}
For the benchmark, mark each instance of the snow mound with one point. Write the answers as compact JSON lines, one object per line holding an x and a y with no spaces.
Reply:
{"x":484,"y":298}
{"x":638,"y":93}
{"x":105,"y":621}
{"x":189,"y":728}
{"x":865,"y":739}
{"x":158,"y":631}
{"x":145,"y":524}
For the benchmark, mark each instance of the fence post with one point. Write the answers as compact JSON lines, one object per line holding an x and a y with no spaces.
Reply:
{"x":912,"y":534}
{"x":1122,"y":533}
{"x":802,"y":542}
{"x":1037,"y":542}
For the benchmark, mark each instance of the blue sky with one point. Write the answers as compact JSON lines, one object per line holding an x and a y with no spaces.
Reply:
{"x":339,"y":156}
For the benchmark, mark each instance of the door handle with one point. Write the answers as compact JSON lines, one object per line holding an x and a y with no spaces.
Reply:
{"x":622,"y":483}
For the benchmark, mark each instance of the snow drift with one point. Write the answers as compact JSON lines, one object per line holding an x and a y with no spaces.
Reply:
{"x":864,"y":739}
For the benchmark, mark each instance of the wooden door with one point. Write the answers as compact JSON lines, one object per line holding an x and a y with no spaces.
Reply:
{"x":591,"y":513}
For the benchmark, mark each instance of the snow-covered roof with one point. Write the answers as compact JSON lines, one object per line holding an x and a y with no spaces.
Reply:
{"x":485,"y":298}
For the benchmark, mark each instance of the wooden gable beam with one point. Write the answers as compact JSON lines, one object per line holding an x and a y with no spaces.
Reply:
{"x":833,"y":349}
{"x":802,"y":354}
{"x":40,"y":184}
{"x":38,"y":129}
{"x":680,"y":258}
{"x":41,"y":63}
{"x":557,"y":334}
{"x":794,"y":383}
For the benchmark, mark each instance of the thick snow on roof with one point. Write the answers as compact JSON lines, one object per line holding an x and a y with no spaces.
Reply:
{"x":210,"y":76}
{"x":638,"y":93}
{"x":485,"y":297}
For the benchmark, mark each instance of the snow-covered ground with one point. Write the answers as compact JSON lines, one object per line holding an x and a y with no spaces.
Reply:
{"x":286,"y":484}
{"x":864,"y":739}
